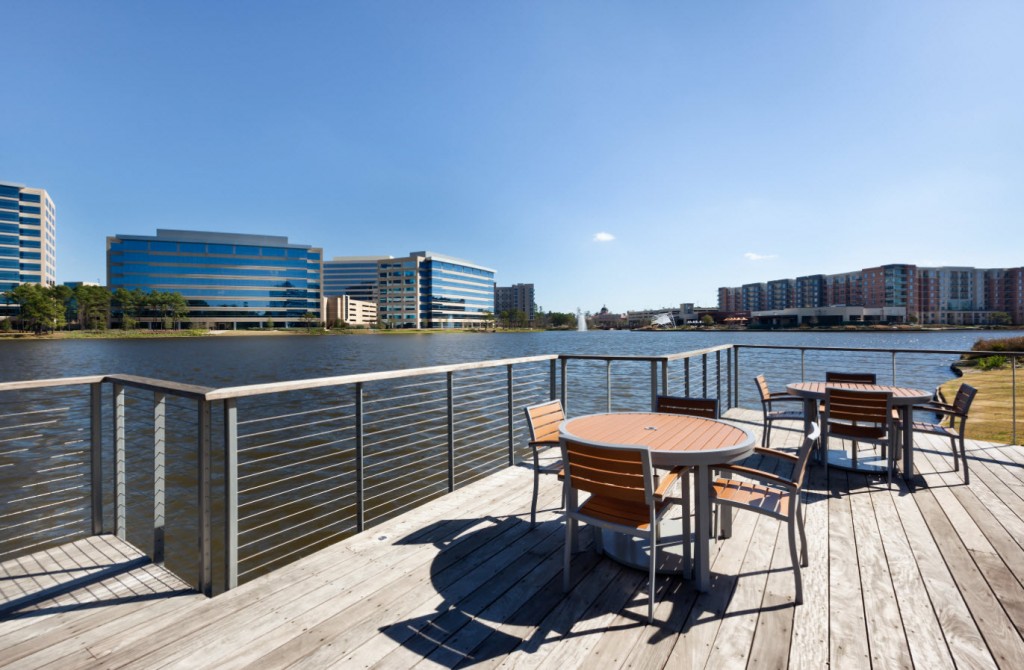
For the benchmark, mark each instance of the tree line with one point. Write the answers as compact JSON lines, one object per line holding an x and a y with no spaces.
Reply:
{"x":48,"y":308}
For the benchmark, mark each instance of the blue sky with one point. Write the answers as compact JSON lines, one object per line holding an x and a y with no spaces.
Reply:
{"x":628,"y":154}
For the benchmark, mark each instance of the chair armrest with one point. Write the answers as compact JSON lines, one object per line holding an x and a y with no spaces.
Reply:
{"x":667,"y":480}
{"x":783,"y":396}
{"x":776,"y":454}
{"x":759,"y":474}
{"x":543,"y":444}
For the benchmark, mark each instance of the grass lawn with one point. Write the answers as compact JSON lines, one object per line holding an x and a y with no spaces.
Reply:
{"x":991,"y":413}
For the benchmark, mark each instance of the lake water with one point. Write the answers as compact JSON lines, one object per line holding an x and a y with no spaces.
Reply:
{"x":231,"y":361}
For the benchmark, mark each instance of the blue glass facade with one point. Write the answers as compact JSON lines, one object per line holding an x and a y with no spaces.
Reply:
{"x":228,"y":280}
{"x":354,"y":276}
{"x":428,"y":290}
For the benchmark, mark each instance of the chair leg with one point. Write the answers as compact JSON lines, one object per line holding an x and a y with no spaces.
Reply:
{"x":567,"y":559}
{"x":651,"y":577}
{"x":963,"y":457}
{"x":956,"y":455}
{"x":803,"y":537}
{"x":766,"y":433}
{"x":796,"y":562}
{"x":684,"y":485}
{"x":533,"y":505}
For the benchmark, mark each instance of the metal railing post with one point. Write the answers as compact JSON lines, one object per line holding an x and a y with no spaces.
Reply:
{"x":704,"y":375}
{"x":664,"y":376}
{"x":654,"y":387}
{"x":96,"y":453}
{"x":728,"y":377}
{"x":718,"y":376}
{"x":159,"y":476}
{"x":803,"y":367}
{"x":608,"y":384}
{"x":120,"y":501}
{"x":230,"y":493}
{"x":736,"y":376}
{"x":894,"y":368}
{"x":1013,"y":392}
{"x":553,"y":379}
{"x":451,"y":433}
{"x":360,"y":483}
{"x":686,"y":376}
{"x":205,"y":505}
{"x":511,"y":427}
{"x":565,"y":386}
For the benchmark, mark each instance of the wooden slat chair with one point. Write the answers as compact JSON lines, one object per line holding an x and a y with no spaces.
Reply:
{"x":851,"y":377}
{"x":543,"y":421}
{"x":702,"y":407}
{"x":623,"y":498}
{"x":674,"y":404}
{"x":952,"y":413}
{"x":771,"y":494}
{"x":861,"y":416}
{"x":771,"y":415}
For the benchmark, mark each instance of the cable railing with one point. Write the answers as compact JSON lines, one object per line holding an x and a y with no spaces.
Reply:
{"x":258,"y":476}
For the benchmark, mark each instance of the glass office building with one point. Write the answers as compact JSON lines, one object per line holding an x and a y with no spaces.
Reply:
{"x":28,"y":234}
{"x":354,"y":276}
{"x":230,"y":281}
{"x":429,"y":290}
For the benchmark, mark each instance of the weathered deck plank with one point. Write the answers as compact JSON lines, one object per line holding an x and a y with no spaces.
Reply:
{"x":931,"y":577}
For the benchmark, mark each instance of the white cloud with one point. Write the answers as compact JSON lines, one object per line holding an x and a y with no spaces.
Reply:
{"x":751,"y":256}
{"x":603,"y":237}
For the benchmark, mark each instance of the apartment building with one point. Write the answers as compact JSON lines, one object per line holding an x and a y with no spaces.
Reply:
{"x":516,"y":297}
{"x":230,"y":281}
{"x":28,"y":239}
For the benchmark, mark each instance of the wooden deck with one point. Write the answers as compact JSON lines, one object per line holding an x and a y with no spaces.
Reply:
{"x":931,"y":578}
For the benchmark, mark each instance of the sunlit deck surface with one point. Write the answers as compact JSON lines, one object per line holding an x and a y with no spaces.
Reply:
{"x":897,"y":579}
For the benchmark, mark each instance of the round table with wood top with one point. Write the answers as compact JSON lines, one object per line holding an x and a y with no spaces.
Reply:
{"x":674,"y":440}
{"x":903,"y":401}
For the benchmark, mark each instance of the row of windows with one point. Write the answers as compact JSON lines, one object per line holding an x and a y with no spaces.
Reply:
{"x":147,"y":281}
{"x":164,"y":271}
{"x":200,"y":248}
{"x":441,"y":265}
{"x":30,"y":197}
{"x":206,"y":261}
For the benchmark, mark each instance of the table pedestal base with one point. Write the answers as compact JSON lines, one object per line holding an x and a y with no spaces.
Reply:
{"x":635,"y":552}
{"x":869,"y":461}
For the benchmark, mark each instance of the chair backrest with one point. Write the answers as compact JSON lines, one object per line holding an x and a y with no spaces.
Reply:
{"x":851,"y":377}
{"x":674,"y":404}
{"x":543,"y":421}
{"x":870,"y":410}
{"x":964,"y":397}
{"x":762,"y":388}
{"x":621,"y":473}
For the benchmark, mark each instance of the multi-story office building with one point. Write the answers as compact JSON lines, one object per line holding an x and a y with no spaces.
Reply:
{"x":430,"y":290}
{"x":516,"y":297}
{"x":229,"y":280}
{"x":900,"y":292}
{"x":354,"y":276}
{"x":730,"y":299}
{"x":347,"y":309}
{"x":28,"y":239}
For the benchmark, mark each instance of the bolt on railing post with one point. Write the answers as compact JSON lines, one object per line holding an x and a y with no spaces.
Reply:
{"x":230,"y":493}
{"x":96,"y":453}
{"x":159,"y":476}
{"x":511,"y":427}
{"x":608,"y":384}
{"x":205,"y":463}
{"x":360,"y":501}
{"x":120,"y":502}
{"x":451,"y":433}
{"x":565,"y":386}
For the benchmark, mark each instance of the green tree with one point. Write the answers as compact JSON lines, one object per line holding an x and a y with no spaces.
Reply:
{"x":1001,"y":319}
{"x":41,"y":307}
{"x":707,"y":320}
{"x":310,"y":320}
{"x":131,"y":304}
{"x":93,"y":306}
